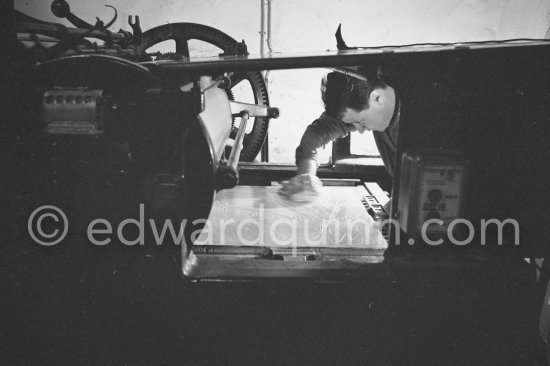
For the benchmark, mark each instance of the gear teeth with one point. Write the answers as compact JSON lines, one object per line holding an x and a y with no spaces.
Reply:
{"x":185,"y":31}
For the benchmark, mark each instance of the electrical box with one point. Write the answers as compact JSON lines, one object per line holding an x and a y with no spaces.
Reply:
{"x":431,"y":191}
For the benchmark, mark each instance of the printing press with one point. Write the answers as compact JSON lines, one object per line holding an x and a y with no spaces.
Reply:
{"x":166,"y":130}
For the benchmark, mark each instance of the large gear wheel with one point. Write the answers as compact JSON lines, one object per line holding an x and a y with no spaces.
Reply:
{"x":181,"y":33}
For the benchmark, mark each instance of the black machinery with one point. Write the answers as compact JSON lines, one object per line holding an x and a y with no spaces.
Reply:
{"x":472,"y":145}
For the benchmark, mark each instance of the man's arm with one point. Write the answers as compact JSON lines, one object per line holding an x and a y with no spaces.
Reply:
{"x":307,"y":166}
{"x":305,"y":184}
{"x":317,"y":135}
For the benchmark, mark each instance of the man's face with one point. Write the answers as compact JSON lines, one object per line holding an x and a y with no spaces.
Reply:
{"x":355,"y":117}
{"x":364,"y":120}
{"x":377,"y":116}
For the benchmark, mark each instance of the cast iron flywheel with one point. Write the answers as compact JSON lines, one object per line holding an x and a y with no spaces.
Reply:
{"x":181,"y":33}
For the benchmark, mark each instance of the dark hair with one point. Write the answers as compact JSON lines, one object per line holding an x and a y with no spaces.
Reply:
{"x":340,"y":91}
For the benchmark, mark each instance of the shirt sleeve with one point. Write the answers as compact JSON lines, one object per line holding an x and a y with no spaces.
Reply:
{"x":322,"y":131}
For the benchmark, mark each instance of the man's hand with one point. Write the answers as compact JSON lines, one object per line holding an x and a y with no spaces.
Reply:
{"x":303,"y":187}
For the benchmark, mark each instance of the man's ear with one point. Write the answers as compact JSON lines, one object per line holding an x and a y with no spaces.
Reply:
{"x":375,"y":98}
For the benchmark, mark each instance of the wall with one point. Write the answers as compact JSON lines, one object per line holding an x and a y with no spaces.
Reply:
{"x":309,"y":25}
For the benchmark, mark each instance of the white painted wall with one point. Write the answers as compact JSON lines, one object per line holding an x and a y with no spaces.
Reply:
{"x":309,"y":25}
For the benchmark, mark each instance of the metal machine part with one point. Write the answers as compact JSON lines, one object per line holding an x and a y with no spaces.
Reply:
{"x":238,"y":145}
{"x":215,"y":118}
{"x":254,"y":110}
{"x":252,"y":233}
{"x":77,"y":111}
{"x":48,"y":41}
{"x":431,"y":190}
{"x":227,"y":175}
{"x":182,"y":33}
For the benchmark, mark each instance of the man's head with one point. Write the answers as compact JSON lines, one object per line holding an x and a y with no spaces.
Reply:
{"x":368,"y":105}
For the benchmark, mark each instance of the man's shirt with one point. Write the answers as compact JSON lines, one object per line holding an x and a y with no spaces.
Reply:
{"x":386,"y":141}
{"x":327,"y":128}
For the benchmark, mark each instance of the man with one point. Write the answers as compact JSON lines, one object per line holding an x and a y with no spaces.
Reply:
{"x":351,"y":104}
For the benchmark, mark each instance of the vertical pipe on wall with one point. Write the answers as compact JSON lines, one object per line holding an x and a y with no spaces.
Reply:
{"x":269,"y":26}
{"x":268,"y":35}
{"x":262,"y":27}
{"x":265,"y":147}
